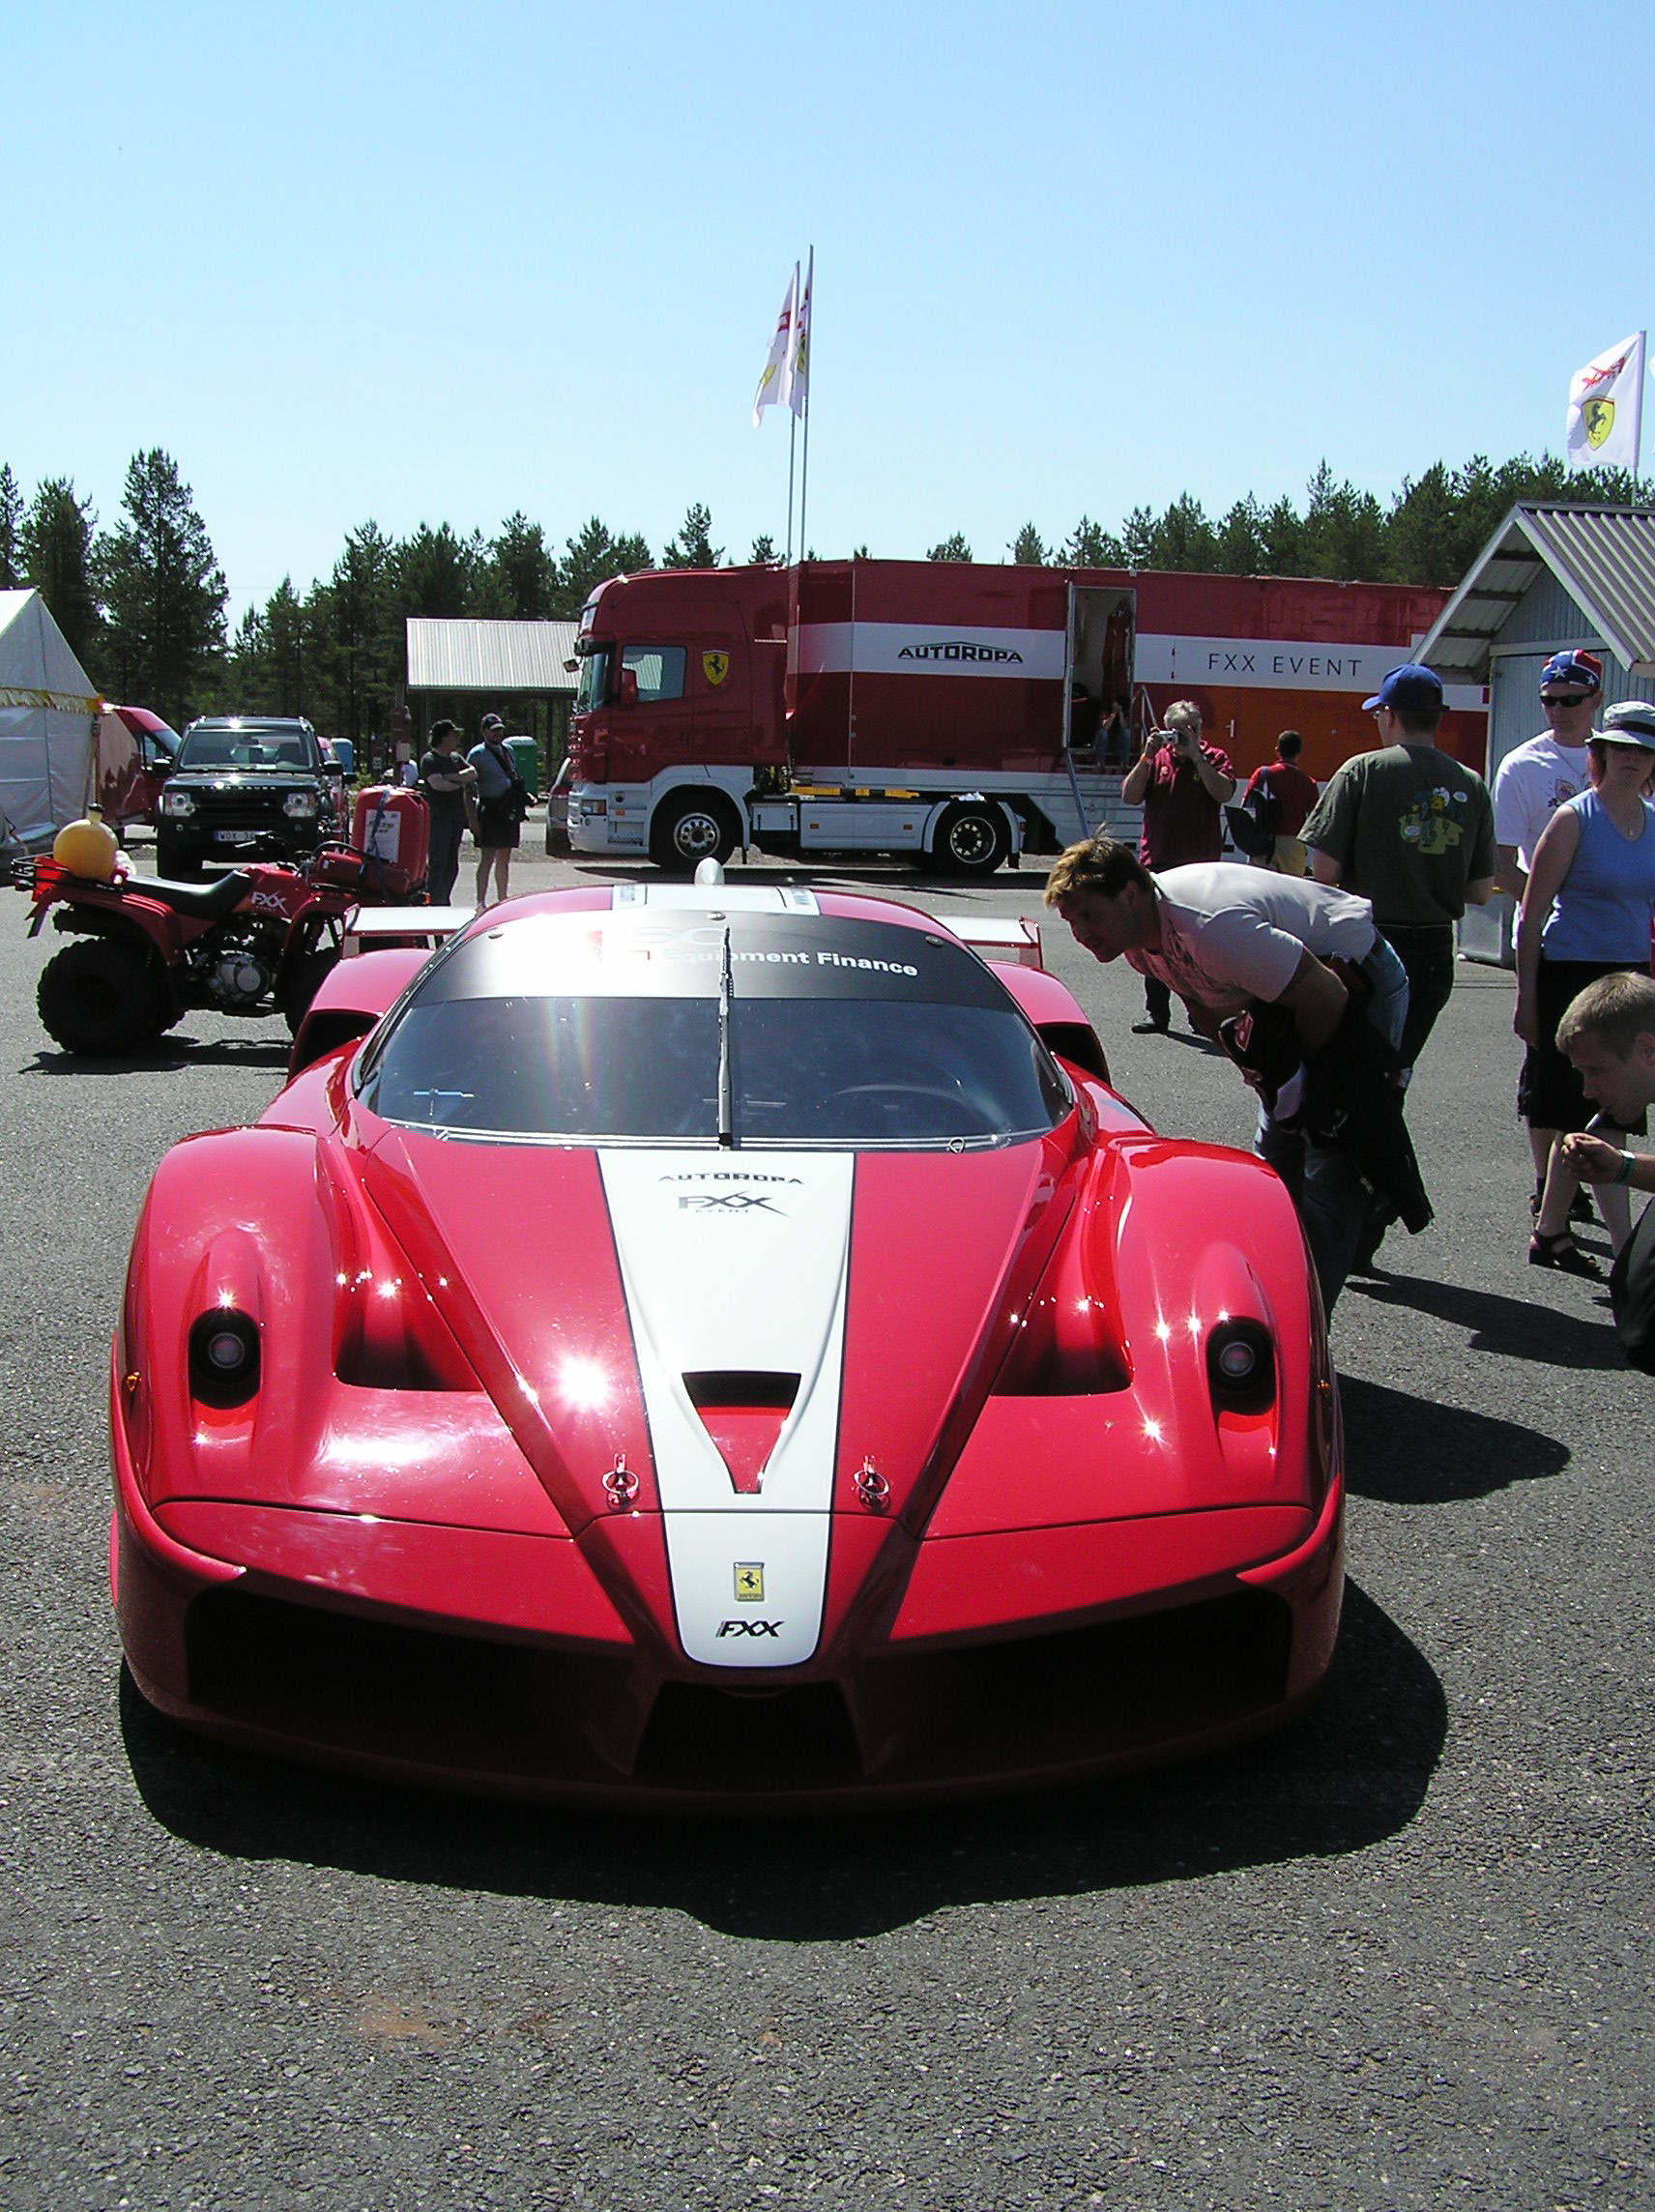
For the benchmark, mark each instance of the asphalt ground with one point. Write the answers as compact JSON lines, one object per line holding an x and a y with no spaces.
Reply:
{"x":1397,"y":1956}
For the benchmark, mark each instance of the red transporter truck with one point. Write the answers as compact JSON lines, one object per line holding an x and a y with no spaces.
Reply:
{"x":964,"y":714}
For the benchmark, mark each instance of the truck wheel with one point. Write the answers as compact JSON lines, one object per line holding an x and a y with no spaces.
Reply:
{"x":172,"y":863}
{"x":694,"y":827}
{"x":100,"y":998}
{"x":299,"y":985}
{"x":971,"y":839}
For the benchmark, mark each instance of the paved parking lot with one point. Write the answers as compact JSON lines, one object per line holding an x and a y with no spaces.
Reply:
{"x":1397,"y":1957}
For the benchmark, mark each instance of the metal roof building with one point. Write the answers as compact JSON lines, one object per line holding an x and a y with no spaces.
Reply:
{"x":1550,"y":576}
{"x":495,"y":657}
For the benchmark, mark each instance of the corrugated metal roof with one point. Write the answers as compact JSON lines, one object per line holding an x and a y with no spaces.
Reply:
{"x":489,"y":656}
{"x":1603,"y":557}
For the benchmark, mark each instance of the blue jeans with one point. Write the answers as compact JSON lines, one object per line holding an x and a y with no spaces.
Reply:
{"x":1327,"y":1185}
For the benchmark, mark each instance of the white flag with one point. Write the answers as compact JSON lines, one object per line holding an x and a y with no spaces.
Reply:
{"x":1605,"y":408}
{"x":798,"y":380}
{"x":775,"y":385}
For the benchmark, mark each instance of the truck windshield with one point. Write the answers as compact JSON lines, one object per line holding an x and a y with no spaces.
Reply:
{"x":594,"y":686}
{"x":249,"y":749}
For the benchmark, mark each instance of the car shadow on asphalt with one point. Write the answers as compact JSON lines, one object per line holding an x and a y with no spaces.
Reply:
{"x":1351,"y":1769}
{"x":167,"y":1059}
{"x":1519,"y":1328}
{"x":1408,"y":1450}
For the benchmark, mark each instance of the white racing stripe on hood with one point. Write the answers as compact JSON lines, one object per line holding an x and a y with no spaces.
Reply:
{"x":739,"y":1262}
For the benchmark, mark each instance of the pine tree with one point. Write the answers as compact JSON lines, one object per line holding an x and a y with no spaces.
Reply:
{"x":433,"y":572}
{"x":244,"y":688}
{"x":10,"y":531}
{"x":164,"y":591}
{"x":55,"y":546}
{"x":693,"y":546}
{"x":1028,"y":549}
{"x":524,"y":568}
{"x":764,"y":550}
{"x":285,"y":641}
{"x":1088,"y":546}
{"x":591,"y":558}
{"x":1241,"y":539}
{"x":1182,"y":538}
{"x":953,"y":548}
{"x":1138,"y":539}
{"x":366,"y":643}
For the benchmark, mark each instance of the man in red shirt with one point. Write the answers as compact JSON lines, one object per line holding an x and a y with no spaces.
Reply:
{"x":1182,"y":783}
{"x":1294,"y":794}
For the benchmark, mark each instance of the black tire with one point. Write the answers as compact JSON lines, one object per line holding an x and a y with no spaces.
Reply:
{"x":173,"y":864}
{"x":100,"y":998}
{"x":304,"y":978}
{"x":694,"y":827}
{"x":971,"y":839}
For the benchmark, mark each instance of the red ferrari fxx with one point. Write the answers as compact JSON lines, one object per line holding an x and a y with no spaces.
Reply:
{"x":714,"y":1346}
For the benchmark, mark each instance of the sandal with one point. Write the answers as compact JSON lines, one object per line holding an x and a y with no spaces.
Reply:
{"x":1562,"y":1253}
{"x":1580,"y":1207}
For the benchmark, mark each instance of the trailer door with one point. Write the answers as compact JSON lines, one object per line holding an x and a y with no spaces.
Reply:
{"x":1103,"y":629}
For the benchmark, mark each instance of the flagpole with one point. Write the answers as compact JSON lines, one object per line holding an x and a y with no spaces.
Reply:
{"x":792,"y":439}
{"x":1637,"y":411}
{"x":810,"y":365}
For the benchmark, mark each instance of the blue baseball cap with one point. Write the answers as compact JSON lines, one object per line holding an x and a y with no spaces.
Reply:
{"x":1411,"y":689}
{"x":1584,"y":670}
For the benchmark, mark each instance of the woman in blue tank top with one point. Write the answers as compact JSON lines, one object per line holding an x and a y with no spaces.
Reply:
{"x":1588,"y":912}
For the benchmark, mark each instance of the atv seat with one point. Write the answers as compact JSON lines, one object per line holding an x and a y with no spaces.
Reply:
{"x":202,"y":902}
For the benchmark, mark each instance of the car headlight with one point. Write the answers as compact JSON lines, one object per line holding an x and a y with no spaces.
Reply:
{"x":299,"y":803}
{"x":177,"y":803}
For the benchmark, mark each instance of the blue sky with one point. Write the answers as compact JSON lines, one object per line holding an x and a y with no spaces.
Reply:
{"x":430,"y":262}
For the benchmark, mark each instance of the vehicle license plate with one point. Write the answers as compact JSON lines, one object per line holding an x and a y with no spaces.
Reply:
{"x":233,"y":836}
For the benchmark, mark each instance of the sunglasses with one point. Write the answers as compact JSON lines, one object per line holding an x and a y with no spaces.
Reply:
{"x":1568,"y":699}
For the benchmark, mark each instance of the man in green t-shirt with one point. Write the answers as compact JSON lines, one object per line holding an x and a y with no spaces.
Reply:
{"x":1412,"y":829}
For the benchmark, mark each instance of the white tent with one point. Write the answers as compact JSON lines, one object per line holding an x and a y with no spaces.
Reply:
{"x":48,"y":714}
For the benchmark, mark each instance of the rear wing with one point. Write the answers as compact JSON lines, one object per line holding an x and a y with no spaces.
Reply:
{"x":1014,"y":939}
{"x":1009,"y":938}
{"x":401,"y":928}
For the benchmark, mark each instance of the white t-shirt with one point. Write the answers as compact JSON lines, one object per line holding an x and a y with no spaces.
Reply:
{"x":1229,"y":934}
{"x":1530,"y":784}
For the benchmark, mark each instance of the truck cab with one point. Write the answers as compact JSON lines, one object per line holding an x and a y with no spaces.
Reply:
{"x":677,"y":711}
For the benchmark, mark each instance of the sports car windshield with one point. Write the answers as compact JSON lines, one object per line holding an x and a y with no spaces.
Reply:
{"x":602,"y":1027}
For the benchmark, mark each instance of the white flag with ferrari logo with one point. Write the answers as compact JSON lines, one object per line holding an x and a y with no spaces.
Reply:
{"x":1605,"y":408}
{"x":775,"y":385}
{"x":798,"y":380}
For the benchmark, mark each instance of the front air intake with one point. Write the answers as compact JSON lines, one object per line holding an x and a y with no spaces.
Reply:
{"x":743,"y":1411}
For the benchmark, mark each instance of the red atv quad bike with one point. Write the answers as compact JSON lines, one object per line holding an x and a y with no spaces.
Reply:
{"x":257,"y":940}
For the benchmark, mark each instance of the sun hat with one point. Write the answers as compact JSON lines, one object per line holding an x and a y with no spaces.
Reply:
{"x":1631,"y":723}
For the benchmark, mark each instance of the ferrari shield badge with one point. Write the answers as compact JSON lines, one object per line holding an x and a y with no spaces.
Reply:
{"x":1599,"y":418}
{"x":750,"y":1581}
{"x":715,"y":666}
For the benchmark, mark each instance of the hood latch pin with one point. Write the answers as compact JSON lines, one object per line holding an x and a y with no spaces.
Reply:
{"x":872,"y":1487}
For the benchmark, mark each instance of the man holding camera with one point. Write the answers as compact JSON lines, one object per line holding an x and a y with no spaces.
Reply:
{"x":1182,"y":783}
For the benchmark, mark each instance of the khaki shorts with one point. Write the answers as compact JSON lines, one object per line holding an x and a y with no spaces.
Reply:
{"x":1291,"y":858}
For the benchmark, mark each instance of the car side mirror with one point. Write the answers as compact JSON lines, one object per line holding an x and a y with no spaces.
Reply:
{"x":629,"y":688}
